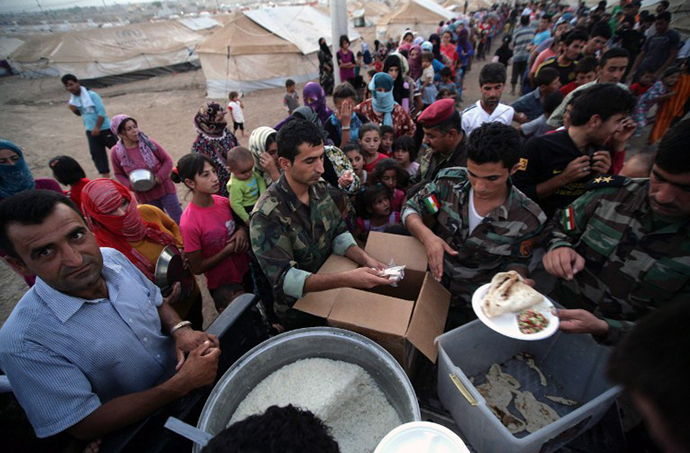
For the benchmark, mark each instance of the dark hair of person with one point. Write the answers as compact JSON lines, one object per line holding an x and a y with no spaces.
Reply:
{"x":649,"y":18}
{"x":189,"y":166}
{"x":647,"y":71}
{"x":664,"y":15}
{"x":601,"y":29}
{"x":271,"y":139}
{"x":552,"y":101}
{"x":442,"y":93}
{"x":672,"y":155}
{"x":492,"y":143}
{"x":406,"y":143}
{"x":446,"y":71}
{"x":615,"y":52}
{"x":371,"y":72}
{"x":30,"y":207}
{"x":123,"y":124}
{"x":368,"y":127}
{"x":352,"y":146}
{"x":343,"y":39}
{"x":385,"y":129}
{"x":233,"y":95}
{"x":278,"y":430}
{"x":586,"y":65}
{"x":547,"y":17}
{"x":665,"y":3}
{"x":575,"y":35}
{"x":545,"y":77}
{"x":293,"y":134}
{"x":289,"y":83}
{"x":343,"y":91}
{"x":69,"y":78}
{"x":668,"y":72}
{"x":366,"y":196}
{"x":652,"y":362}
{"x":66,"y":170}
{"x":237,"y":155}
{"x":492,"y":73}
{"x":603,"y":99}
{"x":383,"y":166}
{"x":573,"y":97}
{"x":524,"y":20}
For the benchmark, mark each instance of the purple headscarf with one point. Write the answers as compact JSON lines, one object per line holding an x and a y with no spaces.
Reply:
{"x":416,"y":68}
{"x":315,"y":97}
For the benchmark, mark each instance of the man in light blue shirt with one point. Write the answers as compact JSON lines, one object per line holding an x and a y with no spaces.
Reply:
{"x":93,"y":346}
{"x":89,"y":105}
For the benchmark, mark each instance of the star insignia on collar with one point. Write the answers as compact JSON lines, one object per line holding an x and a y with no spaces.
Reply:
{"x":598,"y":180}
{"x":607,"y":179}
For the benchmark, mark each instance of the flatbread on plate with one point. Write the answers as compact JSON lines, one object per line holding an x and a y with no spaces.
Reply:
{"x":509,"y":294}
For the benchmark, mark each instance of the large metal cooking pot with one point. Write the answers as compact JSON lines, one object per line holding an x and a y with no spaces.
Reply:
{"x":322,"y":342}
{"x":142,"y":180}
{"x":170,"y":270}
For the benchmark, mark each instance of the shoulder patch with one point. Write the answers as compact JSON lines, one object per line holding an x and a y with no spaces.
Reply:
{"x":266,"y":204}
{"x":605,"y":181}
{"x":523,"y":164}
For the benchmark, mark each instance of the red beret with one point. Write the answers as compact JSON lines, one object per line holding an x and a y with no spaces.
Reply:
{"x":437,"y":112}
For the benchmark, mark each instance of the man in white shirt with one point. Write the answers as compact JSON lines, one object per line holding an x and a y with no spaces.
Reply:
{"x":489,"y":108}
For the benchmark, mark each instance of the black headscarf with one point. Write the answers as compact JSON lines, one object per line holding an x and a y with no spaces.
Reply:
{"x":324,"y":47}
{"x":436,"y":41}
{"x":398,"y":89}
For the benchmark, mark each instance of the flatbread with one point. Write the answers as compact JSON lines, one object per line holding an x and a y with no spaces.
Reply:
{"x":509,"y":294}
{"x":536,"y":414}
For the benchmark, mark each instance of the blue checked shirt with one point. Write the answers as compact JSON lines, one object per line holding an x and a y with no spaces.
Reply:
{"x":65,"y":356}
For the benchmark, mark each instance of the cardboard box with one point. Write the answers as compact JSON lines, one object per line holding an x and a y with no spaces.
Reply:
{"x":404,"y":319}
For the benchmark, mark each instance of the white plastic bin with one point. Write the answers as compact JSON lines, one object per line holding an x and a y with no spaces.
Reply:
{"x":574,"y":366}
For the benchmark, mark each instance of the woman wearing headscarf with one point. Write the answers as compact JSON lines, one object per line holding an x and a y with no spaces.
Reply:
{"x":382,"y":108}
{"x":315,"y":97}
{"x":214,"y":140}
{"x":264,"y":149}
{"x":406,"y":38}
{"x":325,"y":66}
{"x":138,"y":232}
{"x":436,"y":42}
{"x":404,"y":87}
{"x":15,"y":177}
{"x":464,"y":51}
{"x":415,"y":61}
{"x":135,"y":151}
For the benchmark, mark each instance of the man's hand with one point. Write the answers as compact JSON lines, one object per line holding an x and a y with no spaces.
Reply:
{"x":365,"y":278}
{"x":576,"y":169}
{"x":174,"y":295}
{"x":374,"y":263}
{"x":601,"y":162}
{"x":95,"y":132}
{"x":241,"y":239}
{"x":563,"y":262}
{"x":581,"y":321}
{"x":435,"y":249}
{"x":621,"y":136}
{"x":200,"y":368}
{"x":186,"y":340}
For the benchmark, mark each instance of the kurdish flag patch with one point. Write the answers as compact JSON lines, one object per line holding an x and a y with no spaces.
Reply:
{"x":569,"y":219}
{"x":431,"y":204}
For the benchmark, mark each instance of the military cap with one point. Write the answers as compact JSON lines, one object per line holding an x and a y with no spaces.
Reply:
{"x":437,"y":112}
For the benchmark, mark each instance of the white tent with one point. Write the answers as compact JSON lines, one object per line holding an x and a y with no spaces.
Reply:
{"x":9,"y":45}
{"x":261,"y":49}
{"x":421,"y":16}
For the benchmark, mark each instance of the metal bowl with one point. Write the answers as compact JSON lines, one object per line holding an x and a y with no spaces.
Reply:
{"x":170,"y":270}
{"x":142,"y":180}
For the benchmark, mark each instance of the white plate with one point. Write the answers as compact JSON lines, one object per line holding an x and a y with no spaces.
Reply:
{"x":421,"y":437}
{"x":507,"y":324}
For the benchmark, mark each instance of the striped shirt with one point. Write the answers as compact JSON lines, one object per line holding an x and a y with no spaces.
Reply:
{"x":522,"y":37}
{"x":65,"y":356}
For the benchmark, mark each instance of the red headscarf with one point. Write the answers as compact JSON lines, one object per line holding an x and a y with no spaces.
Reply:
{"x":101,"y":196}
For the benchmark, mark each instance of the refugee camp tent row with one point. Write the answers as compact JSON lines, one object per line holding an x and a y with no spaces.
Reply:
{"x":421,"y":16}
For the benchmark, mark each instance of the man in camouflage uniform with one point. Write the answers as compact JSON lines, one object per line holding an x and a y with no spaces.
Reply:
{"x":472,"y":221}
{"x":444,"y":137}
{"x":623,"y":248}
{"x":296,"y":226}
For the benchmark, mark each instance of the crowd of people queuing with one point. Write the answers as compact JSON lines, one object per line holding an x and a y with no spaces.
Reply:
{"x":542,"y":185}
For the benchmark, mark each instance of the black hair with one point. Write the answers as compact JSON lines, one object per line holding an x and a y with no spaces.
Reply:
{"x":670,"y":71}
{"x":366,"y":197}
{"x":189,"y":166}
{"x":368,"y":127}
{"x":602,"y":29}
{"x":239,"y":154}
{"x":428,"y":56}
{"x":614,"y":52}
{"x":293,"y":134}
{"x":546,"y":16}
{"x":385,"y":129}
{"x":121,"y":126}
{"x":647,"y":71}
{"x":545,"y":77}
{"x":672,"y":155}
{"x":524,"y":20}
{"x":278,"y":430}
{"x":552,"y":101}
{"x":66,"y":170}
{"x":494,"y":142}
{"x":575,"y":35}
{"x":649,"y":18}
{"x":586,"y":65}
{"x":383,"y":166}
{"x":233,"y":94}
{"x":271,"y":139}
{"x":352,"y":146}
{"x":603,"y":99}
{"x":492,"y":73}
{"x":30,"y":207}
{"x":68,"y":78}
{"x":343,"y":91}
{"x":665,"y":3}
{"x":442,"y":93}
{"x":407,"y":143}
{"x":289,"y":83}
{"x":446,"y":71}
{"x":652,"y":361}
{"x":343,"y":39}
{"x":664,"y":15}
{"x":371,"y":72}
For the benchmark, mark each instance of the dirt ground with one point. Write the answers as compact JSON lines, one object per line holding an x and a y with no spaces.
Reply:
{"x":34,"y":115}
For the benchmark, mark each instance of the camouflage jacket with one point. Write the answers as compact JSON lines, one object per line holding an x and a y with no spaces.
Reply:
{"x":430,"y":163}
{"x":292,"y":240}
{"x":505,"y":238}
{"x":633,"y":263}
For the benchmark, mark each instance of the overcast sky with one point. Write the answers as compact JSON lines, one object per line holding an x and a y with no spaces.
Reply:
{"x":11,"y":6}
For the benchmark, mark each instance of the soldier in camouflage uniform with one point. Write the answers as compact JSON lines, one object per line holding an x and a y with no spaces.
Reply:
{"x":472,"y":221}
{"x":443,"y":133}
{"x":296,"y":226}
{"x":623,"y":248}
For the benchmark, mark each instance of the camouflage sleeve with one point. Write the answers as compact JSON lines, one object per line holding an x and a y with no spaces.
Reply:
{"x":273,"y":250}
{"x":568,"y":224}
{"x":341,"y":164}
{"x":342,"y":242}
{"x":423,"y":203}
{"x":521,"y":255}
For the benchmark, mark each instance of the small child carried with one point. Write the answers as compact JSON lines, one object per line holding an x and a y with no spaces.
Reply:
{"x":658,"y":93}
{"x":245,"y":184}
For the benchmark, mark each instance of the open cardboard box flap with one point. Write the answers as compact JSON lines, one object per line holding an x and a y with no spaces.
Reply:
{"x":425,"y":324}
{"x":401,"y":249}
{"x":321,"y":303}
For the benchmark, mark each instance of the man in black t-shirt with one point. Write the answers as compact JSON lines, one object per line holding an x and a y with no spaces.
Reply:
{"x":565,"y":63}
{"x":554,"y":168}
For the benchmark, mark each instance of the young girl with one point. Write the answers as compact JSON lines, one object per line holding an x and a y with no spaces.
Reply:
{"x":68,"y":172}
{"x":375,"y":213}
{"x":389,"y":173}
{"x":354,"y":155}
{"x":429,"y":90}
{"x":659,"y":92}
{"x":370,"y":144}
{"x":387,"y":137}
{"x":405,"y":154}
{"x":235,"y":107}
{"x":214,"y":244}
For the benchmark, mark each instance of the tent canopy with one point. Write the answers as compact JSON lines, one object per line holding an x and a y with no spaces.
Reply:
{"x":421,"y":16}
{"x":9,"y":45}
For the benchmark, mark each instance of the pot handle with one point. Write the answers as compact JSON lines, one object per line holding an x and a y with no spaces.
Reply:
{"x":188,"y":431}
